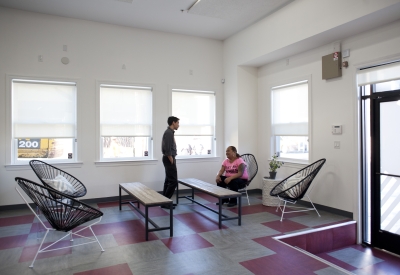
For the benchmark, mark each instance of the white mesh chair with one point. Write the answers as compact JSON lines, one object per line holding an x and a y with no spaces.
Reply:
{"x":295,"y":187}
{"x":252,"y":169}
{"x":63,"y":212}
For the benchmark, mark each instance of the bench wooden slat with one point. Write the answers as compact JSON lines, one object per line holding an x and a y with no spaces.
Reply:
{"x":144,"y":194}
{"x":209,"y":188}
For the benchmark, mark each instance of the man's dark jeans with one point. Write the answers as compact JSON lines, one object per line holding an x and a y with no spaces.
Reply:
{"x":171,"y":177}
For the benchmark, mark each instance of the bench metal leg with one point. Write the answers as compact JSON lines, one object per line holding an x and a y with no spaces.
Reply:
{"x":171,"y":223}
{"x":240,"y":210}
{"x":120,"y":198}
{"x":220,"y":213}
{"x":177,"y":193}
{"x":192,"y":193}
{"x":146,"y":220}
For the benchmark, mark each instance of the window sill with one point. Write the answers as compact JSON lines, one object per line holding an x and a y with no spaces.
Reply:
{"x":126,"y":162}
{"x":197,"y":159}
{"x":15,"y":167}
{"x":293,"y":163}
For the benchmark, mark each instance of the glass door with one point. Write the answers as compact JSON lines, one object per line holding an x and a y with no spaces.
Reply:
{"x":385,"y":171}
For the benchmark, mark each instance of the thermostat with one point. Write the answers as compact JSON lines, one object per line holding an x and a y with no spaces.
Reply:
{"x":336,"y":129}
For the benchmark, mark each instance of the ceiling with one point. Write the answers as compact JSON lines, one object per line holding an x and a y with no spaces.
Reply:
{"x":216,"y":19}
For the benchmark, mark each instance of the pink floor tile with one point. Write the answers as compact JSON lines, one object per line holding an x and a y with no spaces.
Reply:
{"x":318,"y":242}
{"x":121,"y":269}
{"x":13,"y":241}
{"x":299,"y":241}
{"x":29,"y":252}
{"x":284,"y":226}
{"x":344,"y":235}
{"x":16,"y":220}
{"x":198,"y":222}
{"x":278,"y":264}
{"x":186,"y":243}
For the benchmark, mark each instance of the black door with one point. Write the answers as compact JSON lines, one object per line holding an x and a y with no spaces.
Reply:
{"x":385,"y":171}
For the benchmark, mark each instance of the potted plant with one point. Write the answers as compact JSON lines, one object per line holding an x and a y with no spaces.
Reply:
{"x":274,"y":164}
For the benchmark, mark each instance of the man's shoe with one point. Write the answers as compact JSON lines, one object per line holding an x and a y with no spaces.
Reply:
{"x":231,"y":204}
{"x":167,"y":206}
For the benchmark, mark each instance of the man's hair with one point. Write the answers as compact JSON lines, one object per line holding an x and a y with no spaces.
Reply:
{"x":172,"y":119}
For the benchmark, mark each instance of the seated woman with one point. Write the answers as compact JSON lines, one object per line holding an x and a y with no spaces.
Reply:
{"x":235,"y":176}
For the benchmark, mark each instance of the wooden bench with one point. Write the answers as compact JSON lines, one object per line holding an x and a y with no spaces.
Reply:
{"x":148,"y":198}
{"x":215,"y":191}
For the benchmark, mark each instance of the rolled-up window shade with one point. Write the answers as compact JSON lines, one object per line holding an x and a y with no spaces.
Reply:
{"x":125,"y":111}
{"x":43,"y":109}
{"x":196,"y":111}
{"x":290,"y":110}
{"x":379,"y":74}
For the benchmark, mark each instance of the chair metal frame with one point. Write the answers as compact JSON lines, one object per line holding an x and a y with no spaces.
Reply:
{"x":44,"y":170}
{"x":288,"y":195}
{"x":250,"y":172}
{"x":67,"y":206}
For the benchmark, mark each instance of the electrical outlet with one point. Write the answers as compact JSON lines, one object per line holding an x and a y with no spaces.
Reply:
{"x":336,"y":144}
{"x":40,"y":58}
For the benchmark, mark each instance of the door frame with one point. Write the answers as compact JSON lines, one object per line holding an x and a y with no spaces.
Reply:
{"x":379,"y":238}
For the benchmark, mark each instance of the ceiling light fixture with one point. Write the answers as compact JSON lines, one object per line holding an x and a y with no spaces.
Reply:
{"x":197,"y":1}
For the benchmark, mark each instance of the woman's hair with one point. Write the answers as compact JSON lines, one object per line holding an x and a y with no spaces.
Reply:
{"x":233,"y":148}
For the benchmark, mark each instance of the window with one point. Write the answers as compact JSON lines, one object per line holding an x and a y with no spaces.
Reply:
{"x":196,"y":111}
{"x":290,"y":120}
{"x":43,"y":115}
{"x":125,"y":122}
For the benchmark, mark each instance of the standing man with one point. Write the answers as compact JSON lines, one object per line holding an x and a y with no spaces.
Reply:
{"x":168,"y":148}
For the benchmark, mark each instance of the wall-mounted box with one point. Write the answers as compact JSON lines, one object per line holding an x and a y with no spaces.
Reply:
{"x":332,"y":65}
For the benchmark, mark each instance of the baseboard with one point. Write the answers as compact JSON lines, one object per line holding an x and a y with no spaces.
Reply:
{"x":186,"y":191}
{"x":328,"y":209}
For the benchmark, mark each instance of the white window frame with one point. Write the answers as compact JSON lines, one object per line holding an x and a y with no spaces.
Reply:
{"x":11,"y":148}
{"x":99,"y":153}
{"x":213,"y":139}
{"x":290,"y":82}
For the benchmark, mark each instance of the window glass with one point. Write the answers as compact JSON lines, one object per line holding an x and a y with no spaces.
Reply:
{"x":43,"y":120}
{"x":293,"y":147}
{"x":387,"y":86}
{"x":196,"y":111}
{"x":125,"y":122}
{"x":290,"y":120}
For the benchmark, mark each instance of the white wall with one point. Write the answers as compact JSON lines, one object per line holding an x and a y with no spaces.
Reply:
{"x":334,"y":102}
{"x":312,"y":25}
{"x":97,"y":52}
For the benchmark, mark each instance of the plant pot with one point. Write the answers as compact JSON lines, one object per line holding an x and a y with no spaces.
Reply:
{"x":272,"y":175}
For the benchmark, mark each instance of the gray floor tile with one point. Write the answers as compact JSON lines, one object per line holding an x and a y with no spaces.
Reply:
{"x":9,"y":257}
{"x":312,"y":219}
{"x":15,"y":230}
{"x":354,"y":257}
{"x":330,"y":271}
{"x":224,"y":238}
{"x":180,"y":229}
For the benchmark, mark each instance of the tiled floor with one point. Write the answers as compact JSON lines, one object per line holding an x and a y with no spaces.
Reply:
{"x":198,"y":245}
